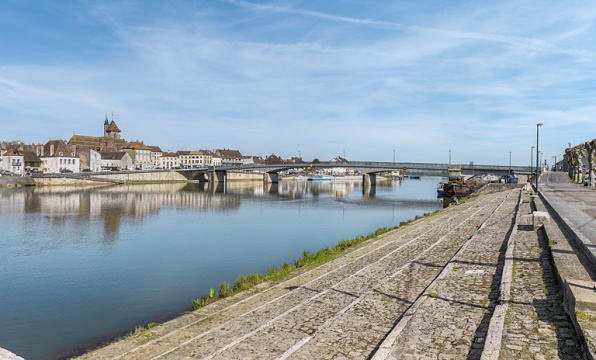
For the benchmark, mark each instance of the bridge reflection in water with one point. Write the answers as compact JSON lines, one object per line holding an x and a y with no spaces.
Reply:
{"x":103,"y":258}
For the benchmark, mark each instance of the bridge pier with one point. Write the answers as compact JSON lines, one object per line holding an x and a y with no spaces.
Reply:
{"x":218,"y":176}
{"x":271,"y":178}
{"x":369,"y":179}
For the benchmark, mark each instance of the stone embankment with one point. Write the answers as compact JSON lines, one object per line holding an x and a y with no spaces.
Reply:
{"x":7,"y":355}
{"x":15,"y":181}
{"x":473,"y":281}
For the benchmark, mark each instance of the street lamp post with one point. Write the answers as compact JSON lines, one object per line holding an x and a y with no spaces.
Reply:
{"x":537,"y":160}
{"x":532,"y":160}
{"x":510,"y":163}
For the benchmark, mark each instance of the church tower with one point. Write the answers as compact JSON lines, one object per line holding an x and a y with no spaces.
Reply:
{"x":111,"y":129}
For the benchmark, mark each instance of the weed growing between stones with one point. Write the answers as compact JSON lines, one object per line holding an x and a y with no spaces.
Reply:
{"x":584,"y":316}
{"x":326,"y":254}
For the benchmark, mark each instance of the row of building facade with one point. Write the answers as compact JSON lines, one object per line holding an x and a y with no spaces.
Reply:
{"x":111,"y":152}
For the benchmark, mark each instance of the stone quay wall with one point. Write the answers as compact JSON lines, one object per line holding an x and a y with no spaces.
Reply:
{"x":11,"y":181}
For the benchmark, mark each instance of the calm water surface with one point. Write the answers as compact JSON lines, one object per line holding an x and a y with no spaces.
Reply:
{"x":78,"y":263}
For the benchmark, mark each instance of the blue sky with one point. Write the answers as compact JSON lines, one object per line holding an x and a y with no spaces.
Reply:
{"x":420,"y":77}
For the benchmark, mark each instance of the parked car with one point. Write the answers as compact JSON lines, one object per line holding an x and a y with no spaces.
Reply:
{"x":6,"y":172}
{"x":86,"y":170}
{"x":66,"y":171}
{"x":508,"y":179}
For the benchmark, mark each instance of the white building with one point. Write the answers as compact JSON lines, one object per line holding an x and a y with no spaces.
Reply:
{"x":116,"y":160}
{"x":90,"y":159}
{"x":140,"y":155}
{"x":168,"y":160}
{"x":194,"y":159}
{"x":13,"y":161}
{"x":155,"y":154}
{"x":230,"y":157}
{"x":247,"y":160}
{"x":58,"y":157}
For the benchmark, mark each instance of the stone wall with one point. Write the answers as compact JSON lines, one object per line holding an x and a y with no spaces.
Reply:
{"x":242,"y":176}
{"x":493,"y":188}
{"x":10,"y":181}
{"x":144,"y":176}
{"x":59,"y":181}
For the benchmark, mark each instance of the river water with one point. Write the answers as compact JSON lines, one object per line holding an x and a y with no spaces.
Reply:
{"x":79,"y":263}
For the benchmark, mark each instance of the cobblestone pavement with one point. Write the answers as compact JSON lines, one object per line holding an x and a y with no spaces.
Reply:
{"x":536,"y":326}
{"x":344,"y":308}
{"x":451,"y":321}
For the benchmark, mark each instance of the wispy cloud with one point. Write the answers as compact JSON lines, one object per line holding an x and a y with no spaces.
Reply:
{"x":532,"y":43}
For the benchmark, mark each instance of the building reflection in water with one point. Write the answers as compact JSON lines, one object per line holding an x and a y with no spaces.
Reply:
{"x":114,"y":205}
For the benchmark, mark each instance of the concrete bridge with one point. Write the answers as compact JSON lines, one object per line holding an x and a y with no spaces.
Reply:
{"x":270,"y":173}
{"x":368,"y":169}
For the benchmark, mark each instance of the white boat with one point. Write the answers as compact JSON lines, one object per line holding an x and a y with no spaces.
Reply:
{"x":320,"y":178}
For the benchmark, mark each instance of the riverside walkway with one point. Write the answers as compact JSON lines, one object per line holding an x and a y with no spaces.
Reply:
{"x":575,"y":203}
{"x":434,"y":289}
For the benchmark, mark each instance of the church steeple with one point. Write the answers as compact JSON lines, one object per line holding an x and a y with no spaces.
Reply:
{"x":105,"y":126}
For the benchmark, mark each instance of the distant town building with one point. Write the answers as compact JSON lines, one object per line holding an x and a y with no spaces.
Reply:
{"x":273,"y":159}
{"x":215,"y":159}
{"x":140,"y":155}
{"x":90,"y":159}
{"x":338,"y":160}
{"x":169,"y":160}
{"x":195,"y":159}
{"x":13,"y":161}
{"x":32,"y":161}
{"x":116,"y":160}
{"x":247,"y":160}
{"x":258,"y":160}
{"x":230,"y":157}
{"x":155,"y":154}
{"x":58,"y":157}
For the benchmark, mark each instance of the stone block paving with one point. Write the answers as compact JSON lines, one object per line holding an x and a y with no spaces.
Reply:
{"x":536,"y":325}
{"x":344,"y":307}
{"x":452,"y":320}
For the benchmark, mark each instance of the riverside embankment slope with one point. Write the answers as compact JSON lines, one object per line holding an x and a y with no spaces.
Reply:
{"x":426,"y":290}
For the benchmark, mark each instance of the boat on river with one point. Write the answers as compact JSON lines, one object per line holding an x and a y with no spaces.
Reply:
{"x":320,"y":178}
{"x":456,"y":186}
